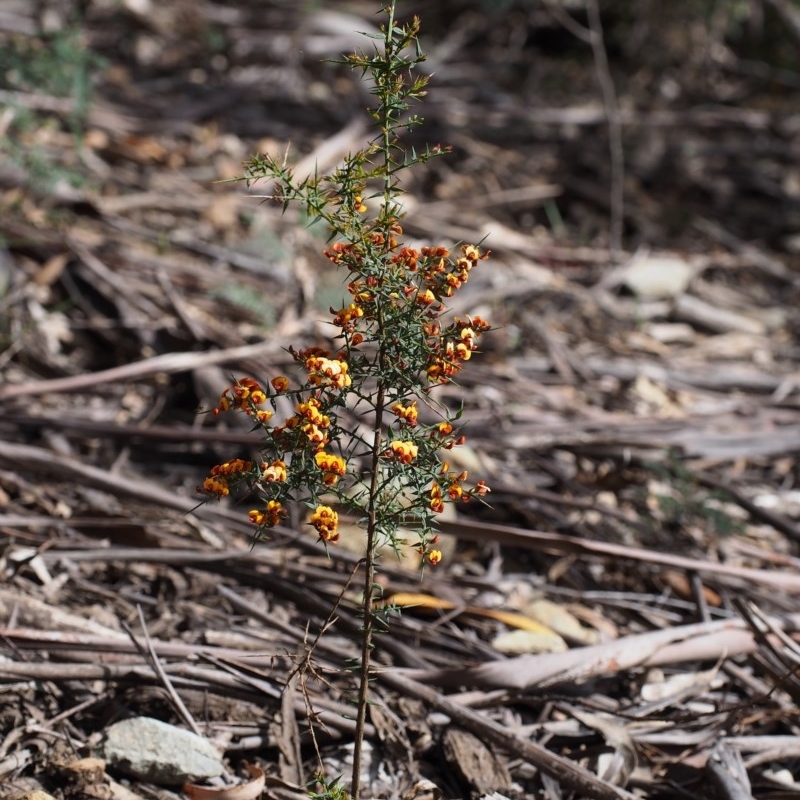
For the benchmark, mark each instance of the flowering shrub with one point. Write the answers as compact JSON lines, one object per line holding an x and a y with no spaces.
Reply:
{"x":395,"y":345}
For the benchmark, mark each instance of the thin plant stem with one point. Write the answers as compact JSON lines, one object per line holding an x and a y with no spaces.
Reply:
{"x":374,"y":486}
{"x":369,"y":581}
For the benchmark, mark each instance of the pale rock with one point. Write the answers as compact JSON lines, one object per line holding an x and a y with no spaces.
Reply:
{"x":154,"y":751}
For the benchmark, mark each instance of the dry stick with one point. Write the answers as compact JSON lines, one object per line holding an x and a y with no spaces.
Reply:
{"x":572,"y":775}
{"x":772,"y":266}
{"x":553,"y":543}
{"x":594,"y":37}
{"x":169,"y":362}
{"x":21,"y":455}
{"x":561,"y":544}
{"x":788,"y":14}
{"x":777,"y":521}
{"x":150,"y":653}
{"x":727,"y":771}
{"x":615,"y":150}
{"x":702,"y":641}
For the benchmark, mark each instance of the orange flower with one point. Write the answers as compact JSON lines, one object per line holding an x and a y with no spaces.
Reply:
{"x":473,"y":253}
{"x":333,"y":467}
{"x":426,"y":298}
{"x":280,"y":383}
{"x":310,"y":411}
{"x":244,"y":394}
{"x":345,"y":317}
{"x":437,"y":503}
{"x":314,"y":434}
{"x":435,"y":252}
{"x":407,"y":413}
{"x":328,"y":372}
{"x":326,"y":521}
{"x":273,"y":473}
{"x":454,"y":491}
{"x":269,"y":517}
{"x":434,"y":556}
{"x":404,"y":452}
{"x":230,"y":467}
{"x":338,"y":251}
{"x":218,"y":487}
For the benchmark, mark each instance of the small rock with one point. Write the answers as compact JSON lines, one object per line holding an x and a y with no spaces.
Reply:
{"x":658,"y":277}
{"x":153,"y":751}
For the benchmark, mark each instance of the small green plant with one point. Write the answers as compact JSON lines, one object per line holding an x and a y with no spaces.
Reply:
{"x":58,"y":65}
{"x":395,"y":345}
{"x":323,"y":788}
{"x":688,"y":502}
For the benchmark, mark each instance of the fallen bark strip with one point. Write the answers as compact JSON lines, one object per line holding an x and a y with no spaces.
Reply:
{"x":560,"y":544}
{"x":704,"y":641}
{"x":108,"y":647}
{"x":562,"y":769}
{"x":168,"y":362}
{"x":183,"y":676}
{"x":46,"y":462}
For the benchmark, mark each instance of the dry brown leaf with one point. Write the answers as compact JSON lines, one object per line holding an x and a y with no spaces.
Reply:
{"x":518,"y":643}
{"x":558,"y":619}
{"x":243,"y":791}
{"x":511,"y":618}
{"x":679,"y":583}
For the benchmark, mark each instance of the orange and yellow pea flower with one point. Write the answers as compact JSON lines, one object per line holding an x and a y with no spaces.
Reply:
{"x":274,"y":472}
{"x":408,"y":414}
{"x":328,"y":372}
{"x":437,"y":501}
{"x":269,"y":516}
{"x":426,"y":298}
{"x":243,"y":395}
{"x":310,"y":411}
{"x":280,"y":383}
{"x":345,"y":317}
{"x":217,"y":484}
{"x":218,"y":487}
{"x":326,"y":522}
{"x":333,"y":467}
{"x":434,"y":557}
{"x":404,"y":452}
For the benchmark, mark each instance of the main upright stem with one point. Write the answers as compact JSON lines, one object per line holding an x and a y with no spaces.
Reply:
{"x":369,"y":582}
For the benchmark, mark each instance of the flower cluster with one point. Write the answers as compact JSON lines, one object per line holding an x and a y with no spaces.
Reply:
{"x":245,"y":395}
{"x":311,"y":423}
{"x":218,"y":483}
{"x":394,"y":345}
{"x":408,"y":414}
{"x":305,"y":433}
{"x":453,"y":488}
{"x":452,"y":346}
{"x":423,"y":278}
{"x":404,"y":452}
{"x":328,"y":372}
{"x":333,"y":467}
{"x":270,"y":516}
{"x":326,"y":521}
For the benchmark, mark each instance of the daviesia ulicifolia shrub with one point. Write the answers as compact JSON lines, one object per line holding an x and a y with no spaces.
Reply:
{"x":358,"y":402}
